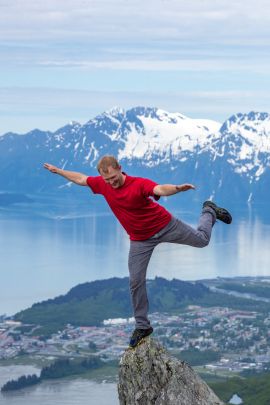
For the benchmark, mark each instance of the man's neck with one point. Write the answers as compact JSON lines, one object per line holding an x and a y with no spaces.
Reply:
{"x":123,"y":178}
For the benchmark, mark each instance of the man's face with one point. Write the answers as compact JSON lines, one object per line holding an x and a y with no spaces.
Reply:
{"x":114,"y":177}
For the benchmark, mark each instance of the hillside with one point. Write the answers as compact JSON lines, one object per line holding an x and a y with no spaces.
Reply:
{"x":90,"y":303}
{"x":252,"y":390}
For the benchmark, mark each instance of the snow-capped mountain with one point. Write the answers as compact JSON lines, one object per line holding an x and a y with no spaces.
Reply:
{"x":246,"y":143}
{"x":165,"y":135}
{"x":225,"y":161}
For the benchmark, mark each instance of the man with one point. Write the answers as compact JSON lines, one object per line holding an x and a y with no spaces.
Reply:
{"x":146,"y":222}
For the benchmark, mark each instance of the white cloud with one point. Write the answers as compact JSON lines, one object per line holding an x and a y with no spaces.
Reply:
{"x":128,"y":45}
{"x":191,"y":65}
{"x":132,"y":20}
{"x":143,"y":34}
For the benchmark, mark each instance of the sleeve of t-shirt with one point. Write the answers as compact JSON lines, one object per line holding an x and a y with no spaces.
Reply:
{"x":95,"y":183}
{"x":148,"y":187}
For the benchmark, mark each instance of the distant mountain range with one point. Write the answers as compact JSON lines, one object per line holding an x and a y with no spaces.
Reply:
{"x":229,"y":161}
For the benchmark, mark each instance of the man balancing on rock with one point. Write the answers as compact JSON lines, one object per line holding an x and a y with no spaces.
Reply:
{"x":146,"y":222}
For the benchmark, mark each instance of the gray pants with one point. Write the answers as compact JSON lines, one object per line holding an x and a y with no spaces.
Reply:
{"x":140,"y":253}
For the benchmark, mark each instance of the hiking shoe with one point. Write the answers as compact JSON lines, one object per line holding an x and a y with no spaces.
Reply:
{"x":221,"y":213}
{"x":138,"y":335}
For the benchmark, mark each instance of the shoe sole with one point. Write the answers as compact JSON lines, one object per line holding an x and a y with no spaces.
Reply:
{"x":221,"y":213}
{"x":226,"y":216}
{"x":140,"y":341}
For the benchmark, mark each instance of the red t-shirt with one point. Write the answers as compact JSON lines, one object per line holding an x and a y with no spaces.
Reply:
{"x":139,"y":215}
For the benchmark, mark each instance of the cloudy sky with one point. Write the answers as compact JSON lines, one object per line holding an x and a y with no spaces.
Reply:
{"x":73,"y":59}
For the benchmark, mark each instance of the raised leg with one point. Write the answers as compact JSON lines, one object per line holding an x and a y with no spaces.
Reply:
{"x":182,"y":233}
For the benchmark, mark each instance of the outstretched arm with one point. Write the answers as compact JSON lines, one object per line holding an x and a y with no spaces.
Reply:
{"x":75,"y":177}
{"x":170,"y":189}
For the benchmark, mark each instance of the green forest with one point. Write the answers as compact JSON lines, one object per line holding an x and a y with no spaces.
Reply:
{"x":59,"y":369}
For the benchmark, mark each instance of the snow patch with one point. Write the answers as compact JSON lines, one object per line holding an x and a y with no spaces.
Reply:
{"x":92,"y":152}
{"x":170,"y":135}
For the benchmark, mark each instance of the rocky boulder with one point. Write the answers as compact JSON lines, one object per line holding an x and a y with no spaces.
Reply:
{"x":149,"y":375}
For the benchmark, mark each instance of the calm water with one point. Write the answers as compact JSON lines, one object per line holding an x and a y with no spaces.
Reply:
{"x":44,"y":251}
{"x":64,"y":392}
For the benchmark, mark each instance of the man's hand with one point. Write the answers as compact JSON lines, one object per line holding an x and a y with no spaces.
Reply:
{"x":170,"y":189}
{"x":51,"y":168}
{"x":75,"y":177}
{"x":185,"y":187}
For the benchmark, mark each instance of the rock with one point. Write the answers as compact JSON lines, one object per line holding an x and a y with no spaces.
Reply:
{"x":149,"y":375}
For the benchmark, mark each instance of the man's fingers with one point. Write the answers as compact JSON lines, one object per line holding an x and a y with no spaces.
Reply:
{"x":51,"y":168}
{"x":188,"y":187}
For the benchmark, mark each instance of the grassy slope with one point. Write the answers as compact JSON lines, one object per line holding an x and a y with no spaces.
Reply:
{"x":253,"y":390}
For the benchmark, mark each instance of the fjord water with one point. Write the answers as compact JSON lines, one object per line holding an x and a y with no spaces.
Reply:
{"x":47,"y":249}
{"x":76,"y":391}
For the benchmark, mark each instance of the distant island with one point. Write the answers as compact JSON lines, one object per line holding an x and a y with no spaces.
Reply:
{"x":59,"y":369}
{"x":22,"y":382}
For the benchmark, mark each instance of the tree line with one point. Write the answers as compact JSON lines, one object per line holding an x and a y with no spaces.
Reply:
{"x":59,"y":369}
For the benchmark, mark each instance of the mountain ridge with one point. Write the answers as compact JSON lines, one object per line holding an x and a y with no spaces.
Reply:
{"x":91,"y":303}
{"x":229,"y":160}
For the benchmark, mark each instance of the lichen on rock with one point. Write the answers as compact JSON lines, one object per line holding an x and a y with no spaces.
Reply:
{"x":148,"y":375}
